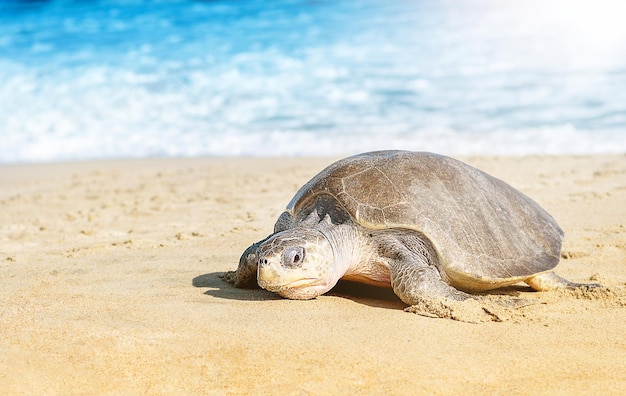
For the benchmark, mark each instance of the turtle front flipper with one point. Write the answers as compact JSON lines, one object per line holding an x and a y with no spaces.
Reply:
{"x":247,"y":269}
{"x":245,"y":275}
{"x":428,"y":295}
{"x":416,"y":279}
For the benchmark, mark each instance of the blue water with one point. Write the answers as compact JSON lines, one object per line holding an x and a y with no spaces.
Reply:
{"x":108,"y":79}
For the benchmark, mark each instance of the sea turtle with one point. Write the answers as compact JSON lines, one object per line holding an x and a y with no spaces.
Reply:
{"x":431,"y":227}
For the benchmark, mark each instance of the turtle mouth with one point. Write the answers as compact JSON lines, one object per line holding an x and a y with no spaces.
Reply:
{"x":306,"y":282}
{"x":296,"y":284}
{"x":269,"y":278}
{"x":301,"y":289}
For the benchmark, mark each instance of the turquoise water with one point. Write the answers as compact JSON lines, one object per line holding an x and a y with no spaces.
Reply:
{"x":108,"y":79}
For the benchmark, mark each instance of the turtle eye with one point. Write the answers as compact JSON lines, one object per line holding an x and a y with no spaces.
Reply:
{"x":293,"y":256}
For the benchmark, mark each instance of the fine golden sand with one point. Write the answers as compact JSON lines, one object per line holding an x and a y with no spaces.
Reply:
{"x":111,"y":285}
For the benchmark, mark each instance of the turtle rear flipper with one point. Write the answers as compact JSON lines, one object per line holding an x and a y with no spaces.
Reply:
{"x":551,"y":281}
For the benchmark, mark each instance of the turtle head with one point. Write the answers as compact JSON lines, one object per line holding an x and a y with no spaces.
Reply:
{"x":298,"y":264}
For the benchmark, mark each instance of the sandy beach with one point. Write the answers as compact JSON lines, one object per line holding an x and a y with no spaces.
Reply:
{"x":111,"y":285}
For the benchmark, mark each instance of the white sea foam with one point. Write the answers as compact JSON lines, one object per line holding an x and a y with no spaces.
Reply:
{"x":293,"y":78}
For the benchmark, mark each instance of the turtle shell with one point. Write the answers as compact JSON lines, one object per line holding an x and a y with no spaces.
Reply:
{"x":485,"y":232}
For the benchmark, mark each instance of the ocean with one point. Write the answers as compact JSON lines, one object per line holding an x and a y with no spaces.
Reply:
{"x":103,"y":79}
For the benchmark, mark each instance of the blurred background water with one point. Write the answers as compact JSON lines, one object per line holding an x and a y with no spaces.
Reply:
{"x":83,"y":79}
